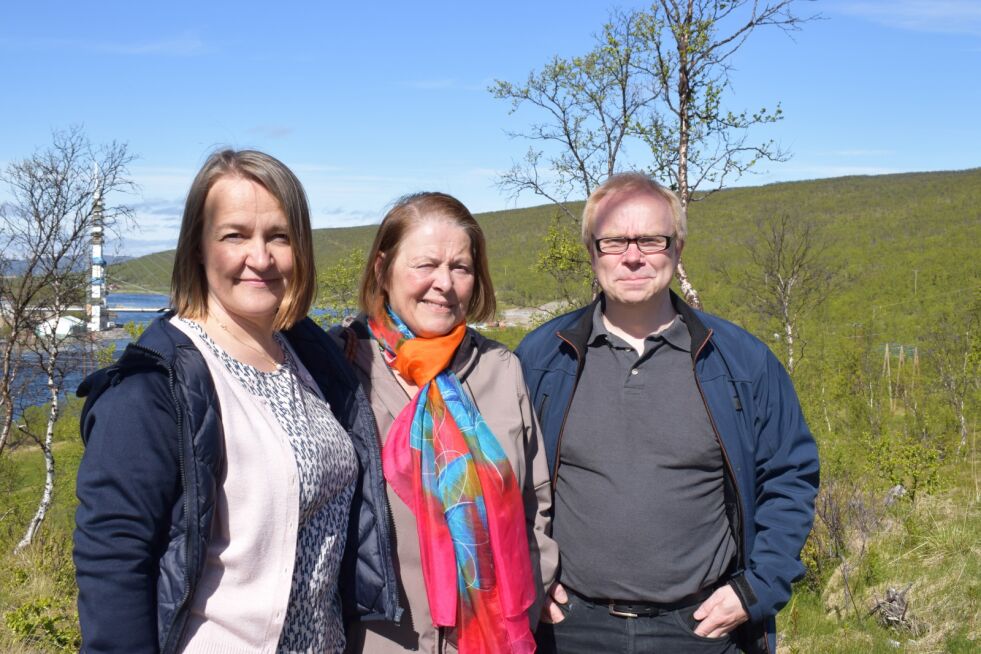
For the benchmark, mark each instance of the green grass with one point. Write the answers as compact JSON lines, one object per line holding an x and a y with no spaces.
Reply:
{"x":42,"y":575}
{"x":934,"y":546}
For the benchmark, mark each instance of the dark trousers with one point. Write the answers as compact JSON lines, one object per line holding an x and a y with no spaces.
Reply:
{"x":589,"y":628}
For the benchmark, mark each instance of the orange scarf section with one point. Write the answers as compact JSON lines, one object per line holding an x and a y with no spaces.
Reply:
{"x":421,"y":359}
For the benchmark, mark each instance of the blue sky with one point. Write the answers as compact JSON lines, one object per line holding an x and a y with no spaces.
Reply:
{"x":369,"y":101}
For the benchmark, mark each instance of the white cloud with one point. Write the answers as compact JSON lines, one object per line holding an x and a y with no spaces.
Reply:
{"x":137,"y":247}
{"x":936,"y":16}
{"x":181,"y":45}
{"x":170,"y":210}
{"x":159,"y":185}
{"x":342,"y":217}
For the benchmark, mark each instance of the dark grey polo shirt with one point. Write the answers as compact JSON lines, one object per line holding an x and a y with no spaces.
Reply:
{"x":639,"y":501}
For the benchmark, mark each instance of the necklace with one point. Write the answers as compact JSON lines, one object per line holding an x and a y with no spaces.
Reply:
{"x":258,"y":351}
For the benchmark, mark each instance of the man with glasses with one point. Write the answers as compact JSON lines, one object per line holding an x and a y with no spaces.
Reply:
{"x":683,"y":472}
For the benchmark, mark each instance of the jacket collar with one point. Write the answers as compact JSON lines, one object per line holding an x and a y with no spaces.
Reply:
{"x":700,"y":334}
{"x":577,"y":334}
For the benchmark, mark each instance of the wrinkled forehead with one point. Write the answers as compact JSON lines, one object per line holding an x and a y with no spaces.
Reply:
{"x":426,"y":227}
{"x":632,"y":211}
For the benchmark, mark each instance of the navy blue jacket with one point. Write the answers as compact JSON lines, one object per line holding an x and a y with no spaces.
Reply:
{"x":771,"y":460}
{"x":148,"y":482}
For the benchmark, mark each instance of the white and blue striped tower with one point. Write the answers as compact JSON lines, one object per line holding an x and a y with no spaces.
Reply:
{"x":98,"y":293}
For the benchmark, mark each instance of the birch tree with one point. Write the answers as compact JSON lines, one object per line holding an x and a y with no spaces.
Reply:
{"x":953,"y":351}
{"x":589,"y":105}
{"x":656,"y":83}
{"x":44,"y":236}
{"x":789,"y":277}
{"x":696,"y":143}
{"x":54,"y":358}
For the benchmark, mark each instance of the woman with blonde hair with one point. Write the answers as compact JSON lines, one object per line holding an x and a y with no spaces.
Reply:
{"x":222,"y":449}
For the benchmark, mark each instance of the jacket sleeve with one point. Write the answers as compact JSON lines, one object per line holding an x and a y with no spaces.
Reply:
{"x":128,"y":484}
{"x":786,"y":462}
{"x":538,"y":498}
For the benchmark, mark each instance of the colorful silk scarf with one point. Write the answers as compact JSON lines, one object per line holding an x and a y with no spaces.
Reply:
{"x":444,"y":462}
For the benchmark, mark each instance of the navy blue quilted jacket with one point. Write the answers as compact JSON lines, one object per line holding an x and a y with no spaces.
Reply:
{"x":771,"y":460}
{"x":149,"y":477}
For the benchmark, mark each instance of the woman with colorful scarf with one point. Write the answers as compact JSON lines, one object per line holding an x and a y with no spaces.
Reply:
{"x":465,"y":472}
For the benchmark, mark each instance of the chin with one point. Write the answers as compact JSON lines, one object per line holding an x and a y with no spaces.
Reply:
{"x":257,"y":313}
{"x":433,"y":328}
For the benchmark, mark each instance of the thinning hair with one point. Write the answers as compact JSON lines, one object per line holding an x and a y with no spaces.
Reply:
{"x":632,"y":181}
{"x":189,"y":285}
{"x":408,"y":212}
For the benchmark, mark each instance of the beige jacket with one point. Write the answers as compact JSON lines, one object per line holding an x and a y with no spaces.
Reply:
{"x":492,"y":377}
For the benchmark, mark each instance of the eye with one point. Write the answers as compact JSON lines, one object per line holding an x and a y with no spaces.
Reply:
{"x":231,"y":236}
{"x":463,"y":268}
{"x":652,"y":241}
{"x":281,"y":237}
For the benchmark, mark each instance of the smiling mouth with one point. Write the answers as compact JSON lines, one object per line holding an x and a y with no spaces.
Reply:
{"x":439,"y":307}
{"x":259,"y":282}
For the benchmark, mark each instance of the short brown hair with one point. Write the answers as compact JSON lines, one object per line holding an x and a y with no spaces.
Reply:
{"x":411,"y":210}
{"x":632,"y":181}
{"x":188,"y":284}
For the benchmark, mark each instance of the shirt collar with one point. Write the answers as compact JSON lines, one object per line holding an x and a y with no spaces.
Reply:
{"x":675,"y":334}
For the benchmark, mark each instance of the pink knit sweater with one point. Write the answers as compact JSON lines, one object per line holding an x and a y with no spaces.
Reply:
{"x":241,"y":598}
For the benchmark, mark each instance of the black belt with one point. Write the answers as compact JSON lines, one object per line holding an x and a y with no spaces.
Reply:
{"x":626,"y":609}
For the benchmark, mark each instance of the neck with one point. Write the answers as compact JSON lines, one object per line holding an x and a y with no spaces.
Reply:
{"x":258,"y":335}
{"x":253,"y":331}
{"x":245,"y":339}
{"x":637,"y":321}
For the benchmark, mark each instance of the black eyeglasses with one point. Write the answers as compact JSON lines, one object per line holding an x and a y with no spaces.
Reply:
{"x":646,"y":244}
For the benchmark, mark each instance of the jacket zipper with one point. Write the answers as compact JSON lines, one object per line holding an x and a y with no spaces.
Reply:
{"x":169,"y":645}
{"x":565,"y":415}
{"x":375,"y":461}
{"x":725,"y":457}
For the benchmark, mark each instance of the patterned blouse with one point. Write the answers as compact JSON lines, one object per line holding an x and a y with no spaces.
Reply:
{"x":328,"y":468}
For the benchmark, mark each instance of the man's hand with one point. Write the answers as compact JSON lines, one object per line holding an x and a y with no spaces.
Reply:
{"x":719,"y":614}
{"x":551,"y":613}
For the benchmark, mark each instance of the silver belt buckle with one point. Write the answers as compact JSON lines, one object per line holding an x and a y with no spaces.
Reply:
{"x":620,"y":614}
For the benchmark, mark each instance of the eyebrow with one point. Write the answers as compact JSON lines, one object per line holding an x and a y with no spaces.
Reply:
{"x":239,"y":226}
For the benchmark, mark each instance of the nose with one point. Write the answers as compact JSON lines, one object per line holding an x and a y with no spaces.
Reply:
{"x":633,"y":253}
{"x":441,"y":278}
{"x":258,"y":256}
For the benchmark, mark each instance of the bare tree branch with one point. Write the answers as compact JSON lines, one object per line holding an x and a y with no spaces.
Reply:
{"x":44,"y":232}
{"x":789,"y":276}
{"x":655,"y":79}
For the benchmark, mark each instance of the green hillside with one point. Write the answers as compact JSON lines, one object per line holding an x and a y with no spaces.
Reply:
{"x":879,"y":231}
{"x":514,"y":239}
